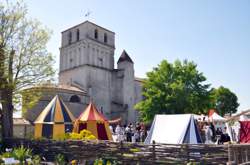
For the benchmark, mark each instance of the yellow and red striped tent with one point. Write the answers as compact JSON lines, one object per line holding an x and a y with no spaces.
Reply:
{"x":55,"y":120}
{"x":94,"y":122}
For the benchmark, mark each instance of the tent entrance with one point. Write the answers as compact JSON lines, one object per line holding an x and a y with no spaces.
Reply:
{"x":47,"y":130}
{"x":82,"y":126}
{"x":102,"y":134}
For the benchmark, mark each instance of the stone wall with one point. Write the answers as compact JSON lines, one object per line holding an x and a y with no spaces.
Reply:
{"x":23,"y":131}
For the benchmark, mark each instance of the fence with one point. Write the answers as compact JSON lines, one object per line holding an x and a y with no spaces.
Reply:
{"x":137,"y":153}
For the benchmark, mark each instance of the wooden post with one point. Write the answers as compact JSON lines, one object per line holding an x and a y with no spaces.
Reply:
{"x":246,"y":155}
{"x":187,"y":148}
{"x":121,"y":144}
{"x":236,"y":151}
{"x":153,"y":151}
{"x":121,"y":150}
{"x":229,"y":155}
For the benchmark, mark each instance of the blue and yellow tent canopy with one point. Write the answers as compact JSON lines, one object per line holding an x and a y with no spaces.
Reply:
{"x":55,"y":120}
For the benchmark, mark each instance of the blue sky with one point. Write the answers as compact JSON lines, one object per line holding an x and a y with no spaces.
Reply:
{"x":214,"y":34}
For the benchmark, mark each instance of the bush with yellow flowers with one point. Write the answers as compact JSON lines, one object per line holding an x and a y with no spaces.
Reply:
{"x":83,"y":135}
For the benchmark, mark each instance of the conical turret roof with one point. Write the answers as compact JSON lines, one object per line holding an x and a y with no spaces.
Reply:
{"x":125,"y":57}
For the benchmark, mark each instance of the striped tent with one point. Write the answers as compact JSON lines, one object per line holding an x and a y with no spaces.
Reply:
{"x":54,"y":121}
{"x":93,"y":121}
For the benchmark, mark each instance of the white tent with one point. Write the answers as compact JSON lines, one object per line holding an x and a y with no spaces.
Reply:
{"x":216,"y":117}
{"x":243,"y":118}
{"x":218,"y":121}
{"x":174,"y":129}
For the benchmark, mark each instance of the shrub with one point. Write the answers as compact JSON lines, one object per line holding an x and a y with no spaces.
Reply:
{"x":22,"y":154}
{"x":75,"y":136}
{"x":73,"y":162}
{"x":83,"y":135}
{"x":60,"y":159}
{"x":36,"y":160}
{"x":6,"y":155}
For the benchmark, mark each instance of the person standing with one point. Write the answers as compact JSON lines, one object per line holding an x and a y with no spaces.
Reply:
{"x":213,"y":131}
{"x":208,"y":134}
{"x":128,"y":133}
{"x":111,"y":129}
{"x":118,"y":132}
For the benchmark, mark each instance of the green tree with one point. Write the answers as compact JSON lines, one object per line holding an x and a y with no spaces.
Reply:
{"x":24,"y":59}
{"x":224,"y":100}
{"x":173,"y":88}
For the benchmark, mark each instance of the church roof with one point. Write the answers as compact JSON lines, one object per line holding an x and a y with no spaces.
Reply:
{"x":85,"y":22}
{"x":20,"y":121}
{"x":61,"y":87}
{"x":142,"y":80}
{"x":125,"y":57}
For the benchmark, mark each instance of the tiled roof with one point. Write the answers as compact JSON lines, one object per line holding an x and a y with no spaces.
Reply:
{"x":140,"y":79}
{"x":90,"y":23}
{"x":125,"y":57}
{"x":20,"y":121}
{"x":69,"y":87}
{"x":72,"y":87}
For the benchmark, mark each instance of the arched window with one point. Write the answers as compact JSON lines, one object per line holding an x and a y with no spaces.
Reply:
{"x":105,"y":38}
{"x":74,"y":99}
{"x":96,"y":34}
{"x":77,"y":35}
{"x":70,"y":37}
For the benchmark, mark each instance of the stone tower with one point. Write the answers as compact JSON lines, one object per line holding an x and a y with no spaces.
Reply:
{"x":87,"y":59}
{"x":126,"y":64}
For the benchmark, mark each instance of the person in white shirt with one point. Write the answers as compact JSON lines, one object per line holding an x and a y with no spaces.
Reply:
{"x":208,"y":134}
{"x":118,"y":132}
{"x":111,"y":129}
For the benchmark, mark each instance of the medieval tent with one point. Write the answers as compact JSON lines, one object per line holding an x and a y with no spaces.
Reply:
{"x":54,"y":121}
{"x":174,"y":129}
{"x":218,"y":121}
{"x":93,"y":121}
{"x":213,"y":115}
{"x":244,"y":132}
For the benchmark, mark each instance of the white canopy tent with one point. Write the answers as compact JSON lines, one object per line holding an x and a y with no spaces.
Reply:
{"x":243,"y":118}
{"x":216,"y":117}
{"x":174,"y":129}
{"x":218,"y":121}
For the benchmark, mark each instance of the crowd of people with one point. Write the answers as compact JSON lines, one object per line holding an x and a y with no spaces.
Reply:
{"x":211,"y":135}
{"x":129,"y":133}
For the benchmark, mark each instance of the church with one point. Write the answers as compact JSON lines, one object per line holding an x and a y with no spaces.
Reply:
{"x":87,"y":72}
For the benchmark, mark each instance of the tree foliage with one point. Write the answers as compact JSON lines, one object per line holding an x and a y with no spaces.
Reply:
{"x":24,"y":59}
{"x":174,"y":88}
{"x":224,"y":100}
